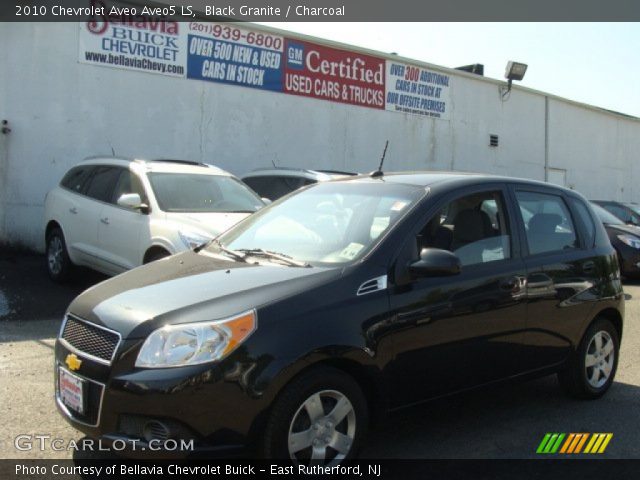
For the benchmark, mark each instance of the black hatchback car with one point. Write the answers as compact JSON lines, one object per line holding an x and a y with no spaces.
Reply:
{"x":625,"y":238}
{"x":285,"y":333}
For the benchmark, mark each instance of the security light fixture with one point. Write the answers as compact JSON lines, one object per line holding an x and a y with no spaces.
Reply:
{"x":514,"y":71}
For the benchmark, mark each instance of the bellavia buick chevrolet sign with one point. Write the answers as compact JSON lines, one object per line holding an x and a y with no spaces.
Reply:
{"x":242,"y":56}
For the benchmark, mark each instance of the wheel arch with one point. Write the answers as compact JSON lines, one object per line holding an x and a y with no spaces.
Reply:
{"x":611,"y":314}
{"x":152,"y":250}
{"x":363,"y":375}
{"x":51,"y":224}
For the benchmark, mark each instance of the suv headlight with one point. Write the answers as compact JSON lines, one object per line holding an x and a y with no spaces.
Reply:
{"x":195,"y":343}
{"x":192,"y":239}
{"x":630,"y":240}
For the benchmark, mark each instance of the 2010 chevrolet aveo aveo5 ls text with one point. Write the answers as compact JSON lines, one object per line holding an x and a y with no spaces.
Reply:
{"x":285,"y":333}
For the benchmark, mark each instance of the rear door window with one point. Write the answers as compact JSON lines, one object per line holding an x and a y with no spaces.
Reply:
{"x":547,"y":222}
{"x":101,"y":184}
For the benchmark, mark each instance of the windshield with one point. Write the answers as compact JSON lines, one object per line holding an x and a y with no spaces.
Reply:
{"x":605,"y":216}
{"x":633,"y":207}
{"x":327,"y":223}
{"x":189,"y":192}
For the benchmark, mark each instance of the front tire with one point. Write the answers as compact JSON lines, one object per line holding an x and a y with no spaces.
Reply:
{"x":592,"y":368}
{"x":59,"y":265}
{"x":318,"y":419}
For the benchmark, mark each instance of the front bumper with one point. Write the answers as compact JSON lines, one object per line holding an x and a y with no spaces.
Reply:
{"x":209,"y":408}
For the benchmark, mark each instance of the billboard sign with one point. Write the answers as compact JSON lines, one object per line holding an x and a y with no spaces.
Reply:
{"x":326,"y":73}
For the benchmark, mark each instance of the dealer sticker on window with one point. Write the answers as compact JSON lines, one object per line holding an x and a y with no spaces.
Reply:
{"x":351,"y":250}
{"x":71,"y":390}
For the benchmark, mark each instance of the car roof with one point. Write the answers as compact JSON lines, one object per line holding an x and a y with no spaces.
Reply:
{"x":449,"y":178}
{"x":159,"y":165}
{"x":312,"y":174}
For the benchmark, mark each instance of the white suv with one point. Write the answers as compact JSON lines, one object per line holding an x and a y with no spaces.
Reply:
{"x":114,"y":214}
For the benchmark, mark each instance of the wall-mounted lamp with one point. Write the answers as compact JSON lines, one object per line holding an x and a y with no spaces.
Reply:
{"x":5,"y":127}
{"x":514,"y":71}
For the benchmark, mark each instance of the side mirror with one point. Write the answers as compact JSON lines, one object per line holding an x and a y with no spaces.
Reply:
{"x":132,"y":201}
{"x":266,"y":200}
{"x":436,"y":263}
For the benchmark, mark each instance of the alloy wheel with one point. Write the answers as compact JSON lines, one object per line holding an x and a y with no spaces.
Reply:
{"x":55,"y":254}
{"x":599,"y":359}
{"x":322,"y":430}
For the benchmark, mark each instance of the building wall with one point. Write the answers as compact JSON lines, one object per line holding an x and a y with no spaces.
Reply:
{"x":61,"y":111}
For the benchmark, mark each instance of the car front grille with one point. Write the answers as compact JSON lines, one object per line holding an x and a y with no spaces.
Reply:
{"x":90,"y":339}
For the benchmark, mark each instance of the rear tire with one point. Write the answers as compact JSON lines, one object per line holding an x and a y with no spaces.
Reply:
{"x":59,"y":265}
{"x":319,"y":418}
{"x":591,"y":369}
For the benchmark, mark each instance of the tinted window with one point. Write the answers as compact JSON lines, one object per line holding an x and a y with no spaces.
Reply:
{"x":605,"y":216}
{"x":473,"y":227}
{"x":101,"y":184}
{"x":128,"y":183}
{"x":584,"y":216}
{"x":547,"y":221}
{"x":75,"y":178}
{"x":274,"y":187}
{"x":618,"y":211}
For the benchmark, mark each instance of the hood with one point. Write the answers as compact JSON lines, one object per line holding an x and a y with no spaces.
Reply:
{"x":190,"y":287}
{"x":213,"y":223}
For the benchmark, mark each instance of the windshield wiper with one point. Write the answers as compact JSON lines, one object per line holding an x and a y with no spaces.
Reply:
{"x":259,"y":252}
{"x":232,"y":253}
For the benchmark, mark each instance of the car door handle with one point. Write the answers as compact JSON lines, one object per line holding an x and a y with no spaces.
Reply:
{"x":105,"y":220}
{"x":73,"y":210}
{"x":510,"y":283}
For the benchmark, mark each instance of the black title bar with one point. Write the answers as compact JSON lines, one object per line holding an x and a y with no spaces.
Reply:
{"x":327,"y":10}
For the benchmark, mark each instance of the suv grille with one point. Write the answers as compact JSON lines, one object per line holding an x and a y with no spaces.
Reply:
{"x":90,"y":339}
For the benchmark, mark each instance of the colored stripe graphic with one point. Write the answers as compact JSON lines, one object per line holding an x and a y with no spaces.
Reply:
{"x":550,"y":443}
{"x":574,"y":443}
{"x":598,"y":442}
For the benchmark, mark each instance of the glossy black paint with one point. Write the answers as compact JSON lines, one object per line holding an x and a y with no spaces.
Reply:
{"x":628,"y":257}
{"x":419,"y":338}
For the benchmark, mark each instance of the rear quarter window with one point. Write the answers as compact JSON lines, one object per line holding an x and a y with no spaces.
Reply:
{"x":75,"y":178}
{"x":586,"y":220}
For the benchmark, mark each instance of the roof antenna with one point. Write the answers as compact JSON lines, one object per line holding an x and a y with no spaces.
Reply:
{"x":378,"y":173}
{"x":113,"y":152}
{"x":274,"y":163}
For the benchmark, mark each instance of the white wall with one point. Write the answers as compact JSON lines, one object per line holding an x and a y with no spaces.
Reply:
{"x":61,"y":111}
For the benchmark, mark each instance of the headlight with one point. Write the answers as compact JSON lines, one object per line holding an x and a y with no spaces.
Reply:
{"x":195,"y":343}
{"x":630,"y":240}
{"x":192,"y":239}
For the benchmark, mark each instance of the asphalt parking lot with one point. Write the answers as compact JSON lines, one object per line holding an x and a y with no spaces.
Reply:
{"x":504,"y":422}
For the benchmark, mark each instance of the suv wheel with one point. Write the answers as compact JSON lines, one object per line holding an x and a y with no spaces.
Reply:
{"x":319,"y":419}
{"x":592,"y":368}
{"x":59,"y":265}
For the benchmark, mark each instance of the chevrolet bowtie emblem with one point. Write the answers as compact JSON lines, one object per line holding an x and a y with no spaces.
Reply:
{"x":73,"y":362}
